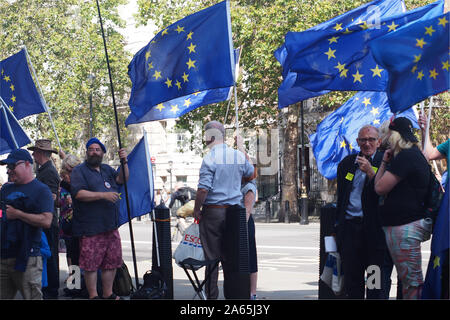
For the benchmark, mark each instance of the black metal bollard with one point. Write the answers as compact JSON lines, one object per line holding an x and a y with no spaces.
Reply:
{"x":162,"y":244}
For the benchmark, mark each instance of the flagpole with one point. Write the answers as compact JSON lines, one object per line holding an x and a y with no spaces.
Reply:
{"x":41,"y":96}
{"x":122,"y":161}
{"x":4,"y":107}
{"x":150,"y":181}
{"x":427,"y":131}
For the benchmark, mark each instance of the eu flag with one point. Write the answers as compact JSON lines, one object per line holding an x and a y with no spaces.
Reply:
{"x":335,"y":136}
{"x":17,"y":87}
{"x":439,"y":258}
{"x":179,"y":106}
{"x":417,"y":59}
{"x":10,"y":130}
{"x":335,"y":54}
{"x":192,"y":55}
{"x":139,"y":185}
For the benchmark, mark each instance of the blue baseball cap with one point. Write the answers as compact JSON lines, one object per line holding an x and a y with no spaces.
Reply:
{"x":95,"y":140}
{"x":17,"y":155}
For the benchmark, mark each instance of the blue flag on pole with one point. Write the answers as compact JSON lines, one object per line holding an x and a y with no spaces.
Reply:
{"x":335,"y":136}
{"x":17,"y":87}
{"x":192,"y":55}
{"x":417,"y":60}
{"x":10,"y":130}
{"x":432,"y":287}
{"x":179,"y":106}
{"x":335,"y":56}
{"x":139,"y":185}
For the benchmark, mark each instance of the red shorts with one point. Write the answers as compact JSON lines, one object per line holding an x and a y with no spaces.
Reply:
{"x":102,"y":251}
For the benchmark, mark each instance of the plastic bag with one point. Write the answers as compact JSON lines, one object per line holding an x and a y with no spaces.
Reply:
{"x":190,"y":246}
{"x":332,"y":273}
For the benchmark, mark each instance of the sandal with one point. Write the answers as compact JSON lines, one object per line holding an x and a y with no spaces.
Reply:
{"x":113,"y":297}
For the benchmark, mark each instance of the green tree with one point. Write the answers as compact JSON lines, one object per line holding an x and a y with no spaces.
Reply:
{"x":65,"y":45}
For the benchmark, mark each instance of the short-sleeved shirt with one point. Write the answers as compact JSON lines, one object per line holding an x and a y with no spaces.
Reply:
{"x":48,"y":175}
{"x":444,"y":148}
{"x":94,"y":217}
{"x":32,"y":198}
{"x":221,"y":173}
{"x":404,"y":203}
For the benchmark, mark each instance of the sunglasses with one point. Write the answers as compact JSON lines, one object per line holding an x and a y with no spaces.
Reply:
{"x":364,"y":140}
{"x":13,"y":166}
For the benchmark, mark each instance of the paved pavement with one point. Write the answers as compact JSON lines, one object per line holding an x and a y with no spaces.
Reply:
{"x":288,"y":261}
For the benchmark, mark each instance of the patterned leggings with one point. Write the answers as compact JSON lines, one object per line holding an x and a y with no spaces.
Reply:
{"x":403,"y":243}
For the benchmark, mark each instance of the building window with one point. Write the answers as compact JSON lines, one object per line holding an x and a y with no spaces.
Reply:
{"x":182,"y":179}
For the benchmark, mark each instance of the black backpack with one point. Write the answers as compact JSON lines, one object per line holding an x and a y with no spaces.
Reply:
{"x":433,"y":198}
{"x":123,"y":285}
{"x":154,"y":287}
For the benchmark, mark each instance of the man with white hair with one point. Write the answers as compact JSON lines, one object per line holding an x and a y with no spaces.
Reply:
{"x":219,"y":187}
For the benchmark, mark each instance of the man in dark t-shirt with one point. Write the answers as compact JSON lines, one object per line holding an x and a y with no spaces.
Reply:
{"x":94,"y":188}
{"x":27,"y":207}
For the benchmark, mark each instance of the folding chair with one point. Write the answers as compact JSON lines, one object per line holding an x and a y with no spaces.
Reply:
{"x":193,"y":264}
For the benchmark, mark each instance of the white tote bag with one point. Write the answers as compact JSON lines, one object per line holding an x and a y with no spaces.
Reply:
{"x":332,"y":273}
{"x":190,"y":246}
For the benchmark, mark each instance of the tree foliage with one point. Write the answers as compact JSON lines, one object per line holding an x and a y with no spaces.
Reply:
{"x":65,"y":45}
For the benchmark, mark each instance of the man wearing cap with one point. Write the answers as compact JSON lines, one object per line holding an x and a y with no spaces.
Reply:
{"x":359,"y":237}
{"x":27,"y":206}
{"x":94,"y":188}
{"x":402,"y":180}
{"x":47,"y":174}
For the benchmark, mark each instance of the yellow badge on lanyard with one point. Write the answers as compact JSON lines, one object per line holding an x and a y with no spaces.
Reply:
{"x":349,"y":176}
{"x":375,"y":169}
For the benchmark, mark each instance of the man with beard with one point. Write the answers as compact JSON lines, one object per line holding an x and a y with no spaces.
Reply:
{"x":94,"y":188}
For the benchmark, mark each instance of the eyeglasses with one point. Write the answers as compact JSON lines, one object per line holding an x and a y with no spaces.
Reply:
{"x":364,"y":140}
{"x":94,"y":149}
{"x":13,"y":166}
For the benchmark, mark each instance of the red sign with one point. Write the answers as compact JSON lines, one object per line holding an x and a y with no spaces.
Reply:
{"x":153,"y":160}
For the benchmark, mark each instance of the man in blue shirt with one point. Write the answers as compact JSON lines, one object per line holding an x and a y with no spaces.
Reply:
{"x":94,"y":188}
{"x":27,"y":206}
{"x":219,"y":187}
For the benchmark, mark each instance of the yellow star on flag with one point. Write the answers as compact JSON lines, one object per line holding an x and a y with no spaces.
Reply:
{"x":357,"y":76}
{"x":420,"y":75}
{"x":189,"y":36}
{"x":333,"y":39}
{"x":13,"y":88}
{"x":420,"y":43}
{"x":187,"y":102}
{"x":366,"y":101}
{"x":443,"y":21}
{"x":364,"y":25}
{"x":191,"y":63}
{"x":160,"y":107}
{"x":6,"y":78}
{"x":445,"y":65}
{"x":376,"y":71}
{"x":174,"y":108}
{"x":347,"y":31}
{"x":392,"y":27}
{"x":343,"y":144}
{"x":165,"y":31}
{"x":340,"y":66}
{"x":13,"y":98}
{"x":343,"y":73}
{"x":430,"y":30}
{"x":168,"y":82}
{"x":436,"y":262}
{"x":148,"y":55}
{"x":178,"y":84}
{"x":179,"y":29}
{"x":150,"y":66}
{"x":330,"y":53}
{"x":157,"y":75}
{"x":185,"y":77}
{"x":433,"y":74}
{"x":374,"y":111}
{"x":413,"y":70}
{"x":417,"y":58}
{"x":191,"y":48}
{"x":11,"y":108}
{"x":376,"y":121}
{"x":350,"y":147}
{"x":338,"y":26}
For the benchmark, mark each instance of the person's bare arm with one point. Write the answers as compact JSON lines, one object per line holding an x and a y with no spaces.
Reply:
{"x":41,"y":220}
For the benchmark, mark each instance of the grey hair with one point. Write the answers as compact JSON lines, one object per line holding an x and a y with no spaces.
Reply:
{"x":212,"y":127}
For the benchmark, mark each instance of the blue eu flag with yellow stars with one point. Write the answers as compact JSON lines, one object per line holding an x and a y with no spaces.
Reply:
{"x":188,"y":57}
{"x":17,"y":87}
{"x":417,"y":59}
{"x":10,"y":131}
{"x":335,"y":54}
{"x":335,"y":136}
{"x":439,"y":258}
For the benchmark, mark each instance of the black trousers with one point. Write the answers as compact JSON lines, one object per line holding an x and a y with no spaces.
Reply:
{"x":51,"y":291}
{"x":357,"y":256}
